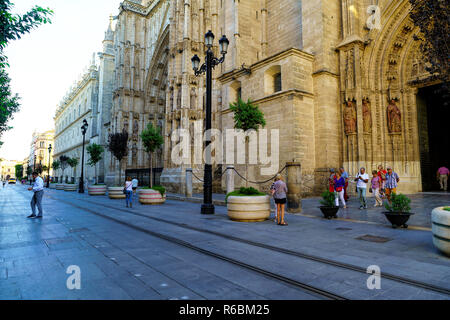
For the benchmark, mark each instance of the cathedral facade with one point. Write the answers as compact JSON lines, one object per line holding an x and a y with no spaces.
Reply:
{"x":343,"y":82}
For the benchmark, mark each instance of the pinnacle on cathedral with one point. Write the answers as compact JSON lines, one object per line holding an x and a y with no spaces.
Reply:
{"x":109,"y":34}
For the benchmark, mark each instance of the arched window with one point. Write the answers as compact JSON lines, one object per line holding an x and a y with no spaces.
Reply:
{"x":273,"y":80}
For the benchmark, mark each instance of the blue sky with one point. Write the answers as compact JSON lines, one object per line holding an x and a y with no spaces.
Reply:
{"x":46,"y":62}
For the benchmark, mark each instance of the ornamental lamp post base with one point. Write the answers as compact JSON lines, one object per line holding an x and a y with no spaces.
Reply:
{"x":207,"y":208}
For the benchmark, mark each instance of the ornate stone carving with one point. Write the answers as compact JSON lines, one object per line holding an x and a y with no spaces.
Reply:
{"x":349,"y":117}
{"x":394,"y":117}
{"x":193,"y":99}
{"x":367,"y":116}
{"x":135,"y":129}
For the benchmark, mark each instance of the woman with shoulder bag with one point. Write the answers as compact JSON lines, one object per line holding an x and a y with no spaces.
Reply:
{"x":339,"y":184}
{"x":128,"y":190}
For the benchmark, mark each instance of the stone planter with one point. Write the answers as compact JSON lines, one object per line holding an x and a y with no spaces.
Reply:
{"x":150,"y":196}
{"x":97,"y":190}
{"x":440,"y":220}
{"x":248,"y":208}
{"x":59,"y":186}
{"x":52,"y":185}
{"x":116,"y":193}
{"x":70,"y":187}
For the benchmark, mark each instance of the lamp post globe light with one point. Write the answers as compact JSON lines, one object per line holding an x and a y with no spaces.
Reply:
{"x":83,"y":132}
{"x":210,"y":63}
{"x":48,"y":168}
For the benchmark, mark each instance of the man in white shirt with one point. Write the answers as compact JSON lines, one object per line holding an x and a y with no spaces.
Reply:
{"x":38,"y":190}
{"x":134,"y":183}
{"x":361,"y":186}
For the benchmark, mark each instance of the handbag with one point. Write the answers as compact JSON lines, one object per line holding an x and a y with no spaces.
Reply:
{"x":370,"y":190}
{"x":124,"y":190}
{"x":339,"y":189}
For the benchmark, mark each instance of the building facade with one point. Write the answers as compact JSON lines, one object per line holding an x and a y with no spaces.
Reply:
{"x":40,"y":158}
{"x":343,"y":82}
{"x":8,"y":169}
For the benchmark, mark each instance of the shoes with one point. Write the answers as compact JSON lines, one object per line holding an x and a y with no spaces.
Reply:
{"x":345,"y":207}
{"x":361,"y":207}
{"x":365,"y":207}
{"x":31,"y":215}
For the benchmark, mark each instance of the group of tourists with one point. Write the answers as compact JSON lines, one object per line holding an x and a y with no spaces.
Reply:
{"x":383,"y":183}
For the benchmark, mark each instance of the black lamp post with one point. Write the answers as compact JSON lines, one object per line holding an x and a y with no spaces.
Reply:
{"x":83,"y":131}
{"x":48,"y":168}
{"x":210,"y":63}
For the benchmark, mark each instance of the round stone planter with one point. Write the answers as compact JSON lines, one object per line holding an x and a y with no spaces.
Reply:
{"x":99,"y":190}
{"x":59,"y":186}
{"x":116,"y":193}
{"x":150,"y":196}
{"x":248,"y":208}
{"x":440,"y":220}
{"x":52,"y":185}
{"x":70,"y":187}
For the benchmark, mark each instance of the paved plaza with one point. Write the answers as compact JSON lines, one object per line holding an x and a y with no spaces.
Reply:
{"x":173,"y":252}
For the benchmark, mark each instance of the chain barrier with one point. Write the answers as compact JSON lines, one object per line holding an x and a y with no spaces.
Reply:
{"x":197,"y":177}
{"x":259,"y":182}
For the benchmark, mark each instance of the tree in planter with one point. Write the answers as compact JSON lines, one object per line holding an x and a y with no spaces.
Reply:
{"x":29,"y":171}
{"x":63,"y":164}
{"x":95,"y":155}
{"x":73,"y":162}
{"x":19,"y":171}
{"x":118,"y":146}
{"x":247,"y":116}
{"x":55,"y":165}
{"x":152,"y":140}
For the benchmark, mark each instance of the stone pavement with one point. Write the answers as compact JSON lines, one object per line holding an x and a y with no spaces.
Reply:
{"x":421,"y":204}
{"x":118,"y":261}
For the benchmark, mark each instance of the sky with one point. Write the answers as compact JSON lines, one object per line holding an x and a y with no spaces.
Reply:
{"x":45,"y":63}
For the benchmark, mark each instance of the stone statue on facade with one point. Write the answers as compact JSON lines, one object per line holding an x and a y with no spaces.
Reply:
{"x":367,"y":116}
{"x":135,"y":129}
{"x":394,"y":117}
{"x":349,"y":118}
{"x":193,"y":99}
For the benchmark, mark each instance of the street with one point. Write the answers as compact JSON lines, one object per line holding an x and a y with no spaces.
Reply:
{"x":172,"y":252}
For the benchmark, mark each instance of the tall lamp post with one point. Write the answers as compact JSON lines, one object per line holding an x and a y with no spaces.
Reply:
{"x":48,"y":168}
{"x":210,"y":62}
{"x":83,"y":131}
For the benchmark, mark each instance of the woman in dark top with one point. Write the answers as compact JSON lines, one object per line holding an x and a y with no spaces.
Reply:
{"x":279,"y":193}
{"x":339,"y":184}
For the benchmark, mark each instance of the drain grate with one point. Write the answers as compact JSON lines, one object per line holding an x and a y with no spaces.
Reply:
{"x":344,"y":229}
{"x":372,"y":238}
{"x":57,"y":241}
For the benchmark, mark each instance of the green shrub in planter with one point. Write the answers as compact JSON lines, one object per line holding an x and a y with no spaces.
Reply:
{"x":399,"y":203}
{"x":161,"y":189}
{"x":245,"y":192}
{"x":328,"y":199}
{"x":447,"y":208}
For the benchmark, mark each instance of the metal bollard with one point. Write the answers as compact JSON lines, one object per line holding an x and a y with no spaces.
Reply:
{"x":189,"y":183}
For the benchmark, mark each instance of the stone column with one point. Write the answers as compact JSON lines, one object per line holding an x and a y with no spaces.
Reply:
{"x":189,"y":183}
{"x":230,"y":179}
{"x":294,"y":200}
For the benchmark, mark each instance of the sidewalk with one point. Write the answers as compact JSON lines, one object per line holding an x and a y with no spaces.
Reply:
{"x":422,"y":204}
{"x":119,"y":262}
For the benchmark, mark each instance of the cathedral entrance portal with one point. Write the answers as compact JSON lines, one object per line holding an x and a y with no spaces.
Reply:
{"x":434,"y":136}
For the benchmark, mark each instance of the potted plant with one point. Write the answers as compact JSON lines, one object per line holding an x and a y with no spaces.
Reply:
{"x":329,"y":208}
{"x":247,"y":116}
{"x":248,"y":205}
{"x":440,"y":219}
{"x":95,"y":155}
{"x":152,"y":140}
{"x":118,"y":146}
{"x":398,"y":210}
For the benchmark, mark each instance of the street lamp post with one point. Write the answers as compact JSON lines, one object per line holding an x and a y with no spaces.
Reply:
{"x":48,"y":168}
{"x":210,"y":62}
{"x":83,"y":131}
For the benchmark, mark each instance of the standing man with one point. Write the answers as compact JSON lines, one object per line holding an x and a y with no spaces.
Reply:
{"x":442,"y":175}
{"x":344,"y":174}
{"x":38,"y":189}
{"x":134,"y":184}
{"x":361,"y":186}
{"x":391,"y":184}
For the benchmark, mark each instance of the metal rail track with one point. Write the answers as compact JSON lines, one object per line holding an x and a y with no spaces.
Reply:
{"x":305,"y":287}
{"x":338,"y":264}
